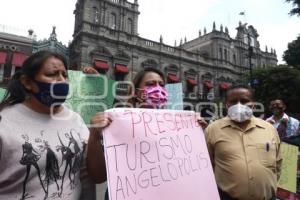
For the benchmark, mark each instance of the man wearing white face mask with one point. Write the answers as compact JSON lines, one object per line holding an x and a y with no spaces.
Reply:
{"x":244,"y":150}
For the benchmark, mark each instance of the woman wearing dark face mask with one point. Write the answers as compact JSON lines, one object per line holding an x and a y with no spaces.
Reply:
{"x":43,"y":144}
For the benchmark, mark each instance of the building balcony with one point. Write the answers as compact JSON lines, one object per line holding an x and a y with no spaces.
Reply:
{"x":122,"y":89}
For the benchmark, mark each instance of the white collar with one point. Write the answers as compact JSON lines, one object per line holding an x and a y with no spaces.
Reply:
{"x":285,"y":116}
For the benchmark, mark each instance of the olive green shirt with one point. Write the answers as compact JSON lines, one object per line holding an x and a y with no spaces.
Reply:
{"x":246,"y":163}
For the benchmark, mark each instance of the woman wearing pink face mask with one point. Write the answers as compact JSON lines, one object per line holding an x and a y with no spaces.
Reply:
{"x":149,"y":89}
{"x":148,"y":92}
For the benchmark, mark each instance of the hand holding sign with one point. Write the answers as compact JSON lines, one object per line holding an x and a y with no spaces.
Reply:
{"x":90,"y":70}
{"x":201,"y":121}
{"x":100,"y":121}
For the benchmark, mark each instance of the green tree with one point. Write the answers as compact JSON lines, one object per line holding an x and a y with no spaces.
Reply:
{"x":296,"y":9}
{"x":278,"y":82}
{"x":292,"y":54}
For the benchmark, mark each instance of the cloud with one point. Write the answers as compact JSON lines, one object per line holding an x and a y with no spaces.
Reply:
{"x":172,"y":19}
{"x":277,"y":36}
{"x":40,"y":16}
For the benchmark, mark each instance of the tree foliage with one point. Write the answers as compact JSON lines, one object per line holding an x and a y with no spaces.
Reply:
{"x":278,"y":82}
{"x":296,"y":9}
{"x":292,"y":54}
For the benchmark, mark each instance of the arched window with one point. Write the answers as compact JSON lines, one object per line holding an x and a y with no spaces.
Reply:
{"x":234,"y":59}
{"x":96,"y":15}
{"x":113,"y":21}
{"x":130,"y":26}
{"x":220,"y":53}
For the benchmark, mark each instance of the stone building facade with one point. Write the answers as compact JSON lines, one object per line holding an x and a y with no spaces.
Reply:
{"x":14,"y":49}
{"x":51,"y":44}
{"x":106,"y":37}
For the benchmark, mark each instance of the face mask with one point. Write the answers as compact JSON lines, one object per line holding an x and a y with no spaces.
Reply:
{"x":52,"y":93}
{"x":239,"y":113}
{"x":277,"y":111}
{"x":156,"y":96}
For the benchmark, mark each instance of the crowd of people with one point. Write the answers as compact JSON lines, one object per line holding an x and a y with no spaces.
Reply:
{"x":46,"y":157}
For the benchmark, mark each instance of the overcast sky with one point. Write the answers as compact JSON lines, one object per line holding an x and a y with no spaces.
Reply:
{"x":174,"y":19}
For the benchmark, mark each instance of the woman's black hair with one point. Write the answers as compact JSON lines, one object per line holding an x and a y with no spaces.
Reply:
{"x":138,"y":79}
{"x":16,"y":92}
{"x":140,"y":75}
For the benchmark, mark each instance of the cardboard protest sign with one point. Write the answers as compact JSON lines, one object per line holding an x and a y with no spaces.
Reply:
{"x":157,"y":154}
{"x":175,"y":100}
{"x":288,"y":177}
{"x":89,"y":94}
{"x":2,"y":93}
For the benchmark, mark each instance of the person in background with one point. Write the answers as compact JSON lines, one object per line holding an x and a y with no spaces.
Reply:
{"x":45,"y":148}
{"x":244,"y":150}
{"x":286,"y":126}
